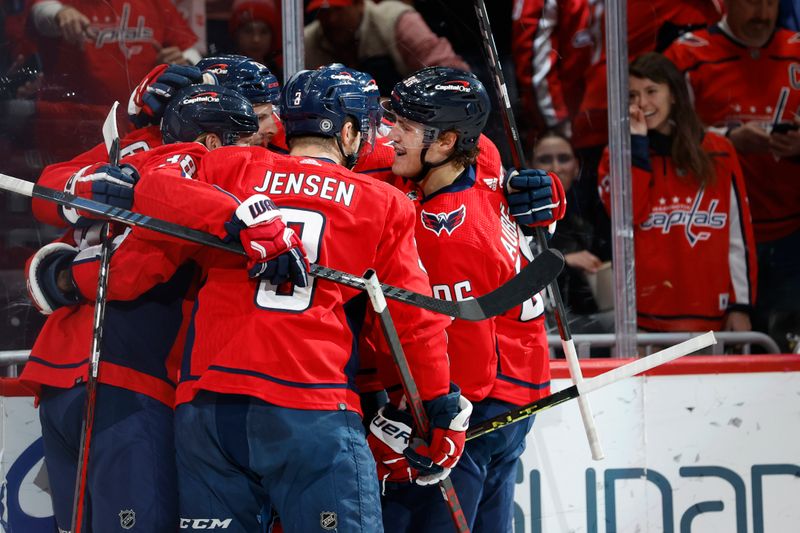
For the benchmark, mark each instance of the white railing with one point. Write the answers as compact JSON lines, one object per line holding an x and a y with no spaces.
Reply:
{"x":650,"y":342}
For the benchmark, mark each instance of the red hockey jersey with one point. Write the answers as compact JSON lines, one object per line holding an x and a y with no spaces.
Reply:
{"x":552,"y":49}
{"x":469,"y":246}
{"x":721,"y":73}
{"x":56,"y":176}
{"x":646,"y":22}
{"x":143,"y":341}
{"x":695,"y":251}
{"x":292,"y":346}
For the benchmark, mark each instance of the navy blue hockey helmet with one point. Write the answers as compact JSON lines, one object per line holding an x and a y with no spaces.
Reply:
{"x":244,"y":75}
{"x":443,"y":99}
{"x":202,"y":109}
{"x":318,"y":102}
{"x":370,"y":88}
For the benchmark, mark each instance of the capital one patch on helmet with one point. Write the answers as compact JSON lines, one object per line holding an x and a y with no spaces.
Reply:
{"x":342,"y":76}
{"x":454,"y":85}
{"x":209,"y":97}
{"x":436,"y":222}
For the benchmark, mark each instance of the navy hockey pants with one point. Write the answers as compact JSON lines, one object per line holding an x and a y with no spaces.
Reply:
{"x":483,"y":479}
{"x":238,"y":455}
{"x":132,"y":482}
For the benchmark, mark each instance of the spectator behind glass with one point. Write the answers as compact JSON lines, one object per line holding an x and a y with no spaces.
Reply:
{"x":94,"y":53}
{"x":743,"y":77}
{"x":390,"y":40}
{"x":255,"y":27}
{"x":695,"y":251}
{"x":552,"y":48}
{"x":651,"y":26}
{"x":574,"y":236}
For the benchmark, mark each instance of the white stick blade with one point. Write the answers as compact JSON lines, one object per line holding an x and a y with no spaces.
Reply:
{"x":110,"y":131}
{"x":12,"y":184}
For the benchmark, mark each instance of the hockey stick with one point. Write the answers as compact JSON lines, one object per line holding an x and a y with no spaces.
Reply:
{"x":531,"y":279}
{"x":111,"y":136}
{"x":421,"y":420}
{"x":568,"y":345}
{"x":585,"y":387}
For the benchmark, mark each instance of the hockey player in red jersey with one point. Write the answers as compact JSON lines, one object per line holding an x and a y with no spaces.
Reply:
{"x":141,"y":349}
{"x":236,"y":380}
{"x":145,"y":108}
{"x":744,"y":74}
{"x":689,"y":208}
{"x":469,"y":245}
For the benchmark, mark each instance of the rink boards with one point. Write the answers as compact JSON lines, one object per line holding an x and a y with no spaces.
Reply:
{"x":710,"y":444}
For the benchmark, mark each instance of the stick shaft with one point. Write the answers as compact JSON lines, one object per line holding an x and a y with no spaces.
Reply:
{"x":603,"y":380}
{"x":532,"y":279}
{"x":512,"y":133}
{"x":411,"y":391}
{"x":111,"y":137}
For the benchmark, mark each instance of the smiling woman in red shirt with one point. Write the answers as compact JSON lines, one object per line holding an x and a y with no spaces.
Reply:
{"x":695,"y":252}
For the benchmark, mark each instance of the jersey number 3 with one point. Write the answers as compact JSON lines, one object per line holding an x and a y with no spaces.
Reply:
{"x":309,"y":226}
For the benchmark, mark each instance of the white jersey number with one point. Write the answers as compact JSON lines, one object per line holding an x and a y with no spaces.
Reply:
{"x":534,"y":306}
{"x":309,"y":225}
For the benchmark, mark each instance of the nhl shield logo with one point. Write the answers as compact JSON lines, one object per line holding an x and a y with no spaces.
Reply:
{"x":127,"y":518}
{"x":327,"y":519}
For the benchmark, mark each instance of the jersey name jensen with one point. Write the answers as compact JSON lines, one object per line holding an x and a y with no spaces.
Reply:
{"x":326,"y":187}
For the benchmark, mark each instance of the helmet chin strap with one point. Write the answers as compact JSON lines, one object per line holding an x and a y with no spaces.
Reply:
{"x":428,"y":166}
{"x":350,"y":160}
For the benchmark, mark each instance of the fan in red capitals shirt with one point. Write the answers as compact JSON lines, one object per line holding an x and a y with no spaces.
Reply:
{"x":552,"y":51}
{"x":94,"y":53}
{"x":744,"y":89}
{"x":110,"y":46}
{"x":695,"y":251}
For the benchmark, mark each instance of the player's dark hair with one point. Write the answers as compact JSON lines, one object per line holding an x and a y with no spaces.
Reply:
{"x":464,"y":157}
{"x":687,"y":150}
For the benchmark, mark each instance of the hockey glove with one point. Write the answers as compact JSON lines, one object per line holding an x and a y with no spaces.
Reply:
{"x":390,"y":434}
{"x":104,"y":183}
{"x":43,"y":273}
{"x":274,"y":251}
{"x":150,"y":98}
{"x":449,"y":415}
{"x":535,"y":197}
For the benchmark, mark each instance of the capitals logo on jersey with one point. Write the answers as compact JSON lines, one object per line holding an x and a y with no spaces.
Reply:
{"x":436,"y":222}
{"x":691,"y":218}
{"x":127,"y":37}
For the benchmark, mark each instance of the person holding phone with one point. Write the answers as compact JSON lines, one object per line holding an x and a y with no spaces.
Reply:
{"x":743,"y":74}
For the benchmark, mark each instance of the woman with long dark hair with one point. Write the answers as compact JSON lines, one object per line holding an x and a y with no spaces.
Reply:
{"x":693,"y":238}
